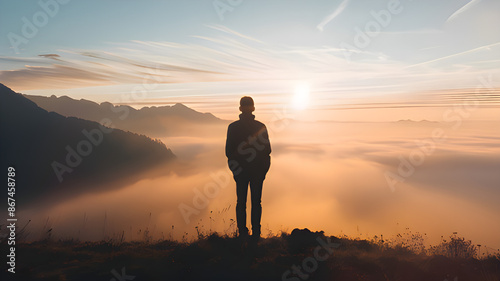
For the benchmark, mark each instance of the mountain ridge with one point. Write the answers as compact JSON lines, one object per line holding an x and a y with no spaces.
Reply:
{"x":175,"y":120}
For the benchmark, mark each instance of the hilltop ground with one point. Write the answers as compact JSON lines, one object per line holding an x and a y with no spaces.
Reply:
{"x":301,"y":255}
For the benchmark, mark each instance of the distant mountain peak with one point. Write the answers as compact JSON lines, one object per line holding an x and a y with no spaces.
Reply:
{"x":177,"y":119}
{"x":180,"y":105}
{"x":423,"y":121}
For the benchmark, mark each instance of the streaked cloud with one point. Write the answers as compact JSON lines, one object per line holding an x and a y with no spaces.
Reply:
{"x":230,"y":31}
{"x":463,"y":9}
{"x":231,"y":57}
{"x":50,"y":56}
{"x":333,"y":15}
{"x":486,"y":47}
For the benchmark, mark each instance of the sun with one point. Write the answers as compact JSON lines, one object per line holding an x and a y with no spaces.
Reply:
{"x":301,"y":96}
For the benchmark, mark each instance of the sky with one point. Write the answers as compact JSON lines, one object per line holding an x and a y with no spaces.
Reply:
{"x":319,"y":54}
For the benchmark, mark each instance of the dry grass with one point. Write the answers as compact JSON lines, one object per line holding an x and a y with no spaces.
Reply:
{"x":225,"y":257}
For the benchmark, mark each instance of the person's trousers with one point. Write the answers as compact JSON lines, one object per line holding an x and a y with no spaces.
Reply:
{"x":256,"y":195}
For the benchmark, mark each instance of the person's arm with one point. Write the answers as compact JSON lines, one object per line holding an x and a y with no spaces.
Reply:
{"x":266,"y":142}
{"x":229,"y":142}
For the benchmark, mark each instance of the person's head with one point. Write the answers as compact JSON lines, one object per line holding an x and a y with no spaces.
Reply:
{"x":246,"y":105}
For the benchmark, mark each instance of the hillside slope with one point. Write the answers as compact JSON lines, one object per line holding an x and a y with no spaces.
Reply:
{"x":52,"y":153}
{"x":301,"y":255}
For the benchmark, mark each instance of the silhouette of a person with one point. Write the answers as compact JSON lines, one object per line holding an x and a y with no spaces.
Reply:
{"x":248,"y":151}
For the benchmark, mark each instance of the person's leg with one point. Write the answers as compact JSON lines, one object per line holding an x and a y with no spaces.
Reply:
{"x":256,"y":195}
{"x":241,"y":205}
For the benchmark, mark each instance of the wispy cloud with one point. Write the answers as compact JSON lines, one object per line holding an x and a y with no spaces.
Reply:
{"x":487,"y":47}
{"x":462,"y":10}
{"x":230,"y":57}
{"x":231,"y":31}
{"x":423,"y":31}
{"x":333,"y":15}
{"x":50,"y":56}
{"x":54,"y":76}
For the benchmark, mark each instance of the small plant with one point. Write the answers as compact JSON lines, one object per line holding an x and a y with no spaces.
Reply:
{"x":456,"y":247}
{"x":147,"y":236}
{"x":409,"y":241}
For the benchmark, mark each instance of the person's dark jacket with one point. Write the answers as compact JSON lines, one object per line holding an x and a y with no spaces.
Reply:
{"x":248,"y":145}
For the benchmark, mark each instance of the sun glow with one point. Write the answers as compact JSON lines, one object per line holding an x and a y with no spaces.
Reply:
{"x":301,"y":96}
